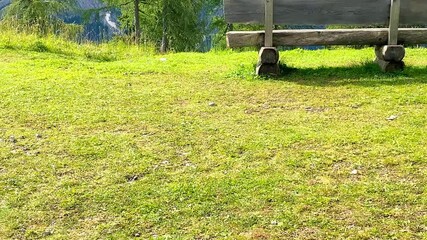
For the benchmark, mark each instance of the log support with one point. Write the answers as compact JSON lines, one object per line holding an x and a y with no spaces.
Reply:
{"x":317,"y":37}
{"x":268,"y":62}
{"x":390,"y":57}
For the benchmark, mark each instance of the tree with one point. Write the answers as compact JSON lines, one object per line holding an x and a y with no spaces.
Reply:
{"x":170,"y":24}
{"x":137,"y":20}
{"x":41,"y":15}
{"x":175,"y":25}
{"x":130,"y":9}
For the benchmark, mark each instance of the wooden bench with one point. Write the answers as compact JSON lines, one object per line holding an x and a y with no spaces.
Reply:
{"x":388,"y":41}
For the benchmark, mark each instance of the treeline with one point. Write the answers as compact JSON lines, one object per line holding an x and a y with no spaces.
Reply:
{"x":178,"y":25}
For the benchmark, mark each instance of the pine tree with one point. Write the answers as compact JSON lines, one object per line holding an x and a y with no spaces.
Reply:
{"x":40,"y":15}
{"x":170,"y":24}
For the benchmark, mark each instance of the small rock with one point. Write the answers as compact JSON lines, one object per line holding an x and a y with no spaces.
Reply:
{"x":354,"y":172}
{"x":356,"y":106}
{"x":47,"y":233}
{"x":392,"y":118}
{"x":165,"y":162}
{"x":212,"y":104}
{"x":12,"y":139}
{"x":183,"y":154}
{"x":133,"y":178}
{"x":38,"y":136}
{"x":189,"y":164}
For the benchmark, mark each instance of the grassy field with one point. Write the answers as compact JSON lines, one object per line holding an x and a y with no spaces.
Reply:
{"x":112,"y":142}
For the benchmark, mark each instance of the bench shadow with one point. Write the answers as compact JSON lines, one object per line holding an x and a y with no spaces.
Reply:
{"x":367,"y":74}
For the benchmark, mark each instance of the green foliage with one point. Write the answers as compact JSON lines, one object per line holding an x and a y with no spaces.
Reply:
{"x":38,"y":15}
{"x":114,"y":50}
{"x":102,"y":56}
{"x":177,"y":22}
{"x":38,"y":46}
{"x":168,"y":24}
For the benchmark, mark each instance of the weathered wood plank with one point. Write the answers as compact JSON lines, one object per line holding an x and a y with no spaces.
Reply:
{"x":393,"y":29}
{"x":269,"y":23}
{"x":413,"y":12}
{"x":369,"y":36}
{"x":315,"y":12}
{"x":302,"y":12}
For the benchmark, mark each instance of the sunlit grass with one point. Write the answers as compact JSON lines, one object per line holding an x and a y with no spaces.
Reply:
{"x":116,"y":142}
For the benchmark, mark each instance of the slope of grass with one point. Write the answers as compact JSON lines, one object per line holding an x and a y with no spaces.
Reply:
{"x":188,"y":145}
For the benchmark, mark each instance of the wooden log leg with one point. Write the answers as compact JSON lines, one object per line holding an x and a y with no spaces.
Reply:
{"x":268,"y":62}
{"x":267,"y":69}
{"x":387,"y":66}
{"x":390,"y":52}
{"x":389,"y":57}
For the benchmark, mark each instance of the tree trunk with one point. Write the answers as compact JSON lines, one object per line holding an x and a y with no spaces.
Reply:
{"x":137,"y":22}
{"x":164,"y":44}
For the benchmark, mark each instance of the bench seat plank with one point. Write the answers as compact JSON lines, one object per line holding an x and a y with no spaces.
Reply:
{"x":319,"y":12}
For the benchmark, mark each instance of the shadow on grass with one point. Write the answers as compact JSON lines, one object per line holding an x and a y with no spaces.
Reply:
{"x":367,"y":74}
{"x":93,"y":54}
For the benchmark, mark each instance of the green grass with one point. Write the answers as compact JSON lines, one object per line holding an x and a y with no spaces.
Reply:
{"x":114,"y":143}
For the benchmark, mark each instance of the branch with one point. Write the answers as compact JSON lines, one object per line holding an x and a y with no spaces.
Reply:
{"x":110,"y":7}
